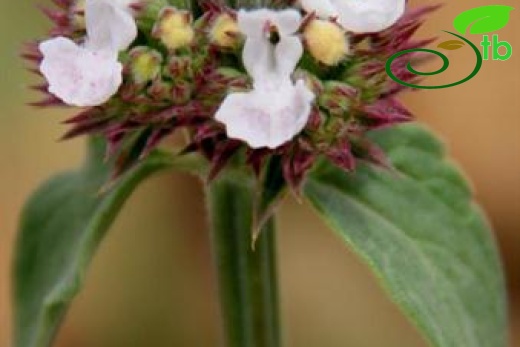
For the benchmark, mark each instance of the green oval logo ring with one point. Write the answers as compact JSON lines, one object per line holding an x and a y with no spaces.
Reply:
{"x":445,"y":65}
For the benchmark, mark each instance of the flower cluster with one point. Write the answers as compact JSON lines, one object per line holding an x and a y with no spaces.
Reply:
{"x":291,"y":81}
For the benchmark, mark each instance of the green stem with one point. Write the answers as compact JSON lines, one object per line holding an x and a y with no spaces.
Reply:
{"x":247,"y":278}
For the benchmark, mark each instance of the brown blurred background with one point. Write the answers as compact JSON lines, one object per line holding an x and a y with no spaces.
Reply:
{"x":151,"y":282}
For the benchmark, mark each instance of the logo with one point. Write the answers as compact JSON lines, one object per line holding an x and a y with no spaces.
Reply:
{"x":477,"y":21}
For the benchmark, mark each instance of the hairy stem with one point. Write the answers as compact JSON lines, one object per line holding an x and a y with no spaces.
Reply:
{"x":247,"y":278}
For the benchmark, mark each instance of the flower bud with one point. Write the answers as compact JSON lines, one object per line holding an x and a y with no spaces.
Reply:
{"x":337,"y":98}
{"x":180,"y":67}
{"x":160,"y":90}
{"x":225,"y":31}
{"x":223,"y":81}
{"x":145,"y":64}
{"x":77,"y":15}
{"x":326,"y":41}
{"x":182,"y":92}
{"x":174,"y":28}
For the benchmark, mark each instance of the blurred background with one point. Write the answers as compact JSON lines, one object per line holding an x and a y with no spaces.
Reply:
{"x":151,"y":282}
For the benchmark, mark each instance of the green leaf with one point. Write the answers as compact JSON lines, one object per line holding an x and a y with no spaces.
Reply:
{"x":61,"y":228}
{"x":418,"y":230}
{"x":451,"y":45}
{"x":483,"y":20}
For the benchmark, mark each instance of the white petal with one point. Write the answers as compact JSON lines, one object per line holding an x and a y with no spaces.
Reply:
{"x":126,"y":3}
{"x":243,"y":121}
{"x":77,"y":75}
{"x":110,"y":25}
{"x":266,"y":118}
{"x":271,"y":64}
{"x":322,"y":8}
{"x":253,"y":23}
{"x":287,"y":21}
{"x":368,"y":15}
{"x":259,"y":58}
{"x":288,"y":53}
{"x":264,"y":61}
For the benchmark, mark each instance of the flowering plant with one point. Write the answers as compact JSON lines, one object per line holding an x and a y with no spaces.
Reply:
{"x":271,"y":97}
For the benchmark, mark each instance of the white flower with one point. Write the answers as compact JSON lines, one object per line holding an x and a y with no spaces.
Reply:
{"x":89,"y":74}
{"x":361,"y":16}
{"x":276,"y":109}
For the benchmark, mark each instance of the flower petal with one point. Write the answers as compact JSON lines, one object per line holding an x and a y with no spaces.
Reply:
{"x":368,"y":15}
{"x":287,"y":21}
{"x":243,"y":120}
{"x":253,"y":23}
{"x":258,"y":58}
{"x":270,"y":64}
{"x":110,"y":25}
{"x":77,"y":75}
{"x":358,"y":15}
{"x":288,"y":53}
{"x":266,"y":62}
{"x":266,"y":118}
{"x":322,"y":8}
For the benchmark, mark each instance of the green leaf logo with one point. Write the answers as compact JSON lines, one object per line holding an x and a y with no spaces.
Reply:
{"x":451,"y":45}
{"x":483,"y":20}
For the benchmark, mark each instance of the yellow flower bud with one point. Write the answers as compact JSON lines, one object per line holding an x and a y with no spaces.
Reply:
{"x":145,"y":64}
{"x":225,"y":31}
{"x":78,"y":14}
{"x":174,"y":28}
{"x":326,"y":41}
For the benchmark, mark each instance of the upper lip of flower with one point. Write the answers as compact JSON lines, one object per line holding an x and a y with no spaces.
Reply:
{"x":110,"y":25}
{"x":269,"y":63}
{"x":358,"y":16}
